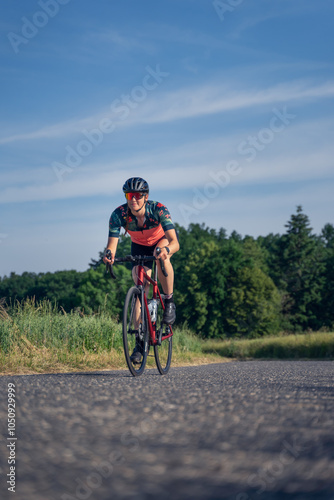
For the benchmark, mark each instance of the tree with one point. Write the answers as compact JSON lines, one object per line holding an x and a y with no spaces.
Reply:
{"x":60,"y":287}
{"x":327,"y":305}
{"x":254,"y":254}
{"x":98,"y":291}
{"x":123,"y":248}
{"x":302,"y":273}
{"x":15,"y":287}
{"x":252,"y":303}
{"x":224,"y":286}
{"x":271,"y":247}
{"x":255,"y":302}
{"x":327,"y":236}
{"x":201,"y":297}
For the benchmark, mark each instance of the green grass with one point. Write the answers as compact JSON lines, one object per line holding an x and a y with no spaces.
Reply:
{"x":319,"y":345}
{"x":38,"y":338}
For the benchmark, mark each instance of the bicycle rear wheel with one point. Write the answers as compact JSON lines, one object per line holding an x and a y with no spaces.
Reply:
{"x":134,"y":331}
{"x":163,"y":352}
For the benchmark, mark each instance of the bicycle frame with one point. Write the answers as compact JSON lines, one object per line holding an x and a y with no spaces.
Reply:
{"x":154,"y":332}
{"x":142,"y":275}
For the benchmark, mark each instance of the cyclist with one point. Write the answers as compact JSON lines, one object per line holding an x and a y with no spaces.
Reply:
{"x":149,"y":225}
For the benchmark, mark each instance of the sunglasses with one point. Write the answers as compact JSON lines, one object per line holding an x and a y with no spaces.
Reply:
{"x":137,"y":196}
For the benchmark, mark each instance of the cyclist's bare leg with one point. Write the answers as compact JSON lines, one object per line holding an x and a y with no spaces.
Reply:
{"x":167,"y":283}
{"x":147,"y":286}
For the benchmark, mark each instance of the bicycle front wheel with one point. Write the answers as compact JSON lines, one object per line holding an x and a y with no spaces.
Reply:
{"x":163,"y":352}
{"x":135,"y":336}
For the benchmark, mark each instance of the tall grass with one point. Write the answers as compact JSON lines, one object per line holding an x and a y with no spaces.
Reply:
{"x":39,"y":337}
{"x":44,"y":325}
{"x":318,"y":345}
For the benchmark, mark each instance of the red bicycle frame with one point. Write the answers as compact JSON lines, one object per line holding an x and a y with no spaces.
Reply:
{"x":142,"y":274}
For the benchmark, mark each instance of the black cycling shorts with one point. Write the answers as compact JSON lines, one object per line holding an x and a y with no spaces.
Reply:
{"x":137,"y":249}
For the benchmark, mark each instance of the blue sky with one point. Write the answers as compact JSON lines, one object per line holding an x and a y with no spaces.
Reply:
{"x":225,"y":108}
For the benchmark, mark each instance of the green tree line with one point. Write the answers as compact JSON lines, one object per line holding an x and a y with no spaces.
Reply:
{"x":225,"y":286}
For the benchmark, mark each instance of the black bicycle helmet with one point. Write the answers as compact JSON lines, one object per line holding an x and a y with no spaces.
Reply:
{"x":135,"y":185}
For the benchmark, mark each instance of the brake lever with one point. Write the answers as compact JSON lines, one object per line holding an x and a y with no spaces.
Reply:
{"x":110,"y":267}
{"x":162,"y":265}
{"x":110,"y":270}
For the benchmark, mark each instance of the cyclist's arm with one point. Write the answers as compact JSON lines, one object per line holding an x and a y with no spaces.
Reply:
{"x":169,"y":230}
{"x":173,"y":242}
{"x":115,"y":224}
{"x":173,"y":245}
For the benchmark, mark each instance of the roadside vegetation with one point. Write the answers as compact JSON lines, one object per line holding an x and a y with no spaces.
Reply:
{"x":41,"y":338}
{"x":225,"y":286}
{"x":312,"y":345}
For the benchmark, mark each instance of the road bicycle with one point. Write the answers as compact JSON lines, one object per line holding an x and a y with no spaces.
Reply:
{"x":142,"y":318}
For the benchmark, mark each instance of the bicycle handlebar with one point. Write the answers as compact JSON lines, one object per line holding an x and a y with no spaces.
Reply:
{"x":140,"y":259}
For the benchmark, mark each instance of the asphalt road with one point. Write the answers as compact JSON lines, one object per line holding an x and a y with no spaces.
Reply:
{"x":236,"y":431}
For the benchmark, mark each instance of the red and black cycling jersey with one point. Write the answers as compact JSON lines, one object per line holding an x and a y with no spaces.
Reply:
{"x":157,"y":221}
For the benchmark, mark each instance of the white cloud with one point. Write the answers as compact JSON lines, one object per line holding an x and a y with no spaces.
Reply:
{"x":62,"y":129}
{"x":290,"y":157}
{"x":122,"y":41}
{"x":190,"y":102}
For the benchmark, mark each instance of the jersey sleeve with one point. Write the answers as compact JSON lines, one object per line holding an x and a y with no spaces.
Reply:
{"x":165,"y":217}
{"x":116,"y":221}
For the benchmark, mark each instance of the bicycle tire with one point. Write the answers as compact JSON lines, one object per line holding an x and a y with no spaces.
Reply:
{"x":129,"y":337}
{"x":163,"y":352}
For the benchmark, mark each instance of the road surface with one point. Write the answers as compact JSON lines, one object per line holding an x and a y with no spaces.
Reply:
{"x":237,"y":431}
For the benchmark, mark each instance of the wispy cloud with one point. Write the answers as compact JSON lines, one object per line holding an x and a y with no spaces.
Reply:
{"x":303,"y":152}
{"x":123,"y":41}
{"x":267,"y":12}
{"x":61,"y":129}
{"x":190,"y":102}
{"x":251,"y":22}
{"x":206,"y":100}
